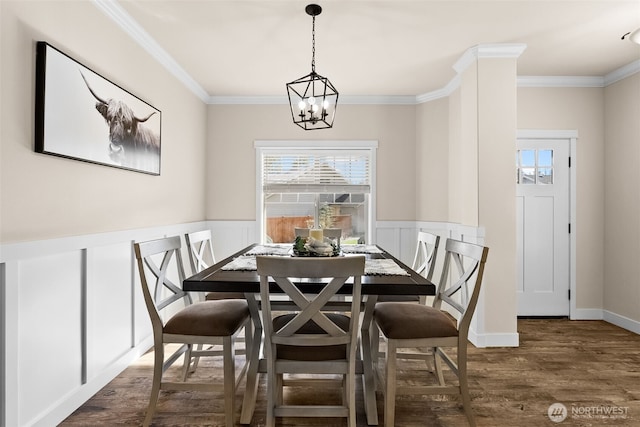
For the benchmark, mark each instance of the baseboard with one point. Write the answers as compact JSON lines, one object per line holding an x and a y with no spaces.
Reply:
{"x":622,"y":321}
{"x":587,"y":314}
{"x":494,"y":340}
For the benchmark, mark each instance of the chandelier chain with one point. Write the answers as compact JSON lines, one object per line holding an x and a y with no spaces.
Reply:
{"x":313,"y":45}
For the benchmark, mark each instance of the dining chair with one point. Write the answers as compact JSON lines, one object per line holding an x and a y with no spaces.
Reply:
{"x":175,"y":319}
{"x":426,"y":252}
{"x":308,"y":339}
{"x":427,"y":246}
{"x":434,"y":328}
{"x":201,"y":257}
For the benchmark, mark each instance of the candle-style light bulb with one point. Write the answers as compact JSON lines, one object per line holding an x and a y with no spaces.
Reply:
{"x":312,"y":100}
{"x":301,"y":105}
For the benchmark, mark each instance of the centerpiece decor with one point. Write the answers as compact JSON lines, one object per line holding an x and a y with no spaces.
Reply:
{"x":310,"y":246}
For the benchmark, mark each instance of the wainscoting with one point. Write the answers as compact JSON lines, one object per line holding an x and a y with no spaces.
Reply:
{"x":73,"y":315}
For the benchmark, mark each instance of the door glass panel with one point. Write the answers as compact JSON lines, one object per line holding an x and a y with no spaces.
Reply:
{"x":528,"y":176}
{"x":528,"y":157}
{"x":534,"y":167}
{"x":545,"y":175}
{"x":545,"y":158}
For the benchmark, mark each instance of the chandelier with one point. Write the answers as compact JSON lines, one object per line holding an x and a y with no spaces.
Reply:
{"x":312,"y":98}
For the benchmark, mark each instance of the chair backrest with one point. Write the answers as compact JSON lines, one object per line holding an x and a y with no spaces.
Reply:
{"x":332,"y":233}
{"x":426,"y":252}
{"x":157,"y":261}
{"x":460,"y":288}
{"x":200,"y":246}
{"x":336,"y":271}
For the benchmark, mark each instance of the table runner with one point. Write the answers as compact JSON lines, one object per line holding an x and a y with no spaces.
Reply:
{"x":273,"y":249}
{"x":372,"y":267}
{"x":360,"y":249}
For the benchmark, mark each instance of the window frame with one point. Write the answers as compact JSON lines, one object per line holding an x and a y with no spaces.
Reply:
{"x":269,"y":147}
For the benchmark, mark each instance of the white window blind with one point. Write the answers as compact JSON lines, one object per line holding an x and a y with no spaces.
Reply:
{"x":317,"y":172}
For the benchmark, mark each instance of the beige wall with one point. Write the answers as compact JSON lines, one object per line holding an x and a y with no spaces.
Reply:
{"x":622,"y":198}
{"x":44,"y":196}
{"x":496,"y":114}
{"x":233,"y":130}
{"x":432,"y":167}
{"x":580,"y":109}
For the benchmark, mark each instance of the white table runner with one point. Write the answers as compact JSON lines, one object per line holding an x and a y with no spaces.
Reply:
{"x":372,"y":267}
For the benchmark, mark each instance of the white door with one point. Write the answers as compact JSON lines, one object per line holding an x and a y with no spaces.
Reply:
{"x":542,"y":199}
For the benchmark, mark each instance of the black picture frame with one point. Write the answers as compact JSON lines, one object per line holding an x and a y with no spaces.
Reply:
{"x":83,"y":116}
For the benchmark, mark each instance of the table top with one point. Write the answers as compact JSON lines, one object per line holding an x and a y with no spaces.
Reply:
{"x":215,"y":279}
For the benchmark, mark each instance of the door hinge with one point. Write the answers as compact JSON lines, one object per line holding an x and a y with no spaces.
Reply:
{"x":569,"y":294}
{"x":569,"y":228}
{"x":569,"y":161}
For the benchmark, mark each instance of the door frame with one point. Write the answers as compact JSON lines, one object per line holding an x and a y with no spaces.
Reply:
{"x":572,"y":137}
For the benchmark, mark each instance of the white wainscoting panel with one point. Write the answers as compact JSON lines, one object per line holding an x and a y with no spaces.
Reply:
{"x":109,"y":306}
{"x":50,"y":331}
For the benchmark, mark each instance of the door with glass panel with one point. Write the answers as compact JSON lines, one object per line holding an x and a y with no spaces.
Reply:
{"x":315,"y":188}
{"x":542,"y":212}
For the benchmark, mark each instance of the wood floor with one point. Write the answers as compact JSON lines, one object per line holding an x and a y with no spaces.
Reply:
{"x":591,"y":367}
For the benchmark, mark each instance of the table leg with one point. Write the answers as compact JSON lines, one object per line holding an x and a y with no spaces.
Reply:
{"x":368,"y":380}
{"x":251,"y":392}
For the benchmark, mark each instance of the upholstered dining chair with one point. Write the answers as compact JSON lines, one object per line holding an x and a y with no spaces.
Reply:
{"x":426,"y":252}
{"x":308,"y":339}
{"x":424,"y":262}
{"x":433,"y":328}
{"x":176,"y":320}
{"x":201,"y":257}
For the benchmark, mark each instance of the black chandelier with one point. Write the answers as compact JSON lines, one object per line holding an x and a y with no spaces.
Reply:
{"x":312,"y":98}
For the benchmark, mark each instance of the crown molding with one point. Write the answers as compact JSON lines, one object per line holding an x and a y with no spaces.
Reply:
{"x":113,"y":10}
{"x":622,"y":73}
{"x":560,"y":81}
{"x":492,"y":50}
{"x":117,"y":14}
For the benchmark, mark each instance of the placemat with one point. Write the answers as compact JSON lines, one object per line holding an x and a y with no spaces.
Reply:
{"x":383,"y":267}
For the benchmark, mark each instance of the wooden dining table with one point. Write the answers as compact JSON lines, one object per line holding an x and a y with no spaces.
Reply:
{"x":384,"y":275}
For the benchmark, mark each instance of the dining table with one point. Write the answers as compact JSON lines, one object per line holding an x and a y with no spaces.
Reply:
{"x":384,"y":275}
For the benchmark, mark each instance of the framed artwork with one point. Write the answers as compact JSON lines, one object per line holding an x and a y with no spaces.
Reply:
{"x":81,"y":115}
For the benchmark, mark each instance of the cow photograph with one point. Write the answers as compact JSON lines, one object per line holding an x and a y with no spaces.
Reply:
{"x":81,"y":115}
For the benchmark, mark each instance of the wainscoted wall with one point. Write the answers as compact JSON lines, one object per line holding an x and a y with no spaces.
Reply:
{"x":74,"y":317}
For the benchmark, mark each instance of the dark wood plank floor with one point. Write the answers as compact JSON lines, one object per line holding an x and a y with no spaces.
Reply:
{"x":591,"y":367}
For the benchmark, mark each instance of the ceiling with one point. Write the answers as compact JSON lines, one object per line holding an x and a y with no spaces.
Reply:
{"x":379,"y":48}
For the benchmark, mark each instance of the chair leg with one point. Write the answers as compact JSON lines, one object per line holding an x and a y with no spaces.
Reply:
{"x":437,"y":365}
{"x":351,"y":395}
{"x":390,"y":384}
{"x":229,"y":381}
{"x":155,"y":387}
{"x":271,"y":398}
{"x":464,"y":386}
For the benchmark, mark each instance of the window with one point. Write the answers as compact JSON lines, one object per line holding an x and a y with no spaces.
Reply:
{"x":534,"y":166}
{"x":315,"y":184}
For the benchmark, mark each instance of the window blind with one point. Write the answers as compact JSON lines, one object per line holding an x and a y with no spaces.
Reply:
{"x":305,"y":172}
